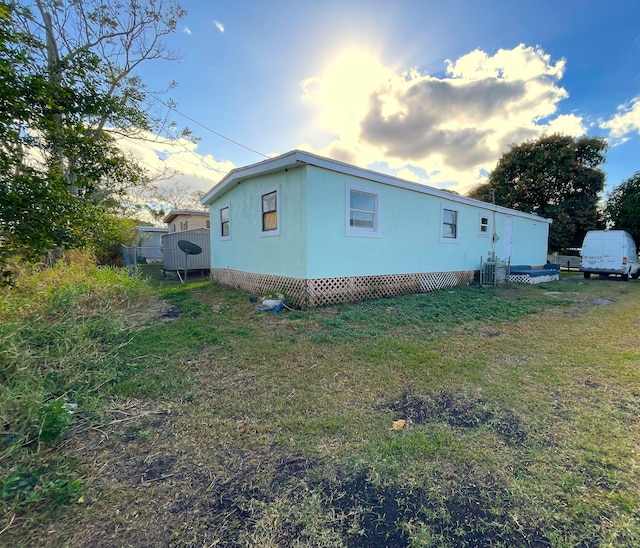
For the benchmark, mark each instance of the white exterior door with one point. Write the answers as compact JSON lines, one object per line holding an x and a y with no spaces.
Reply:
{"x":507,"y":237}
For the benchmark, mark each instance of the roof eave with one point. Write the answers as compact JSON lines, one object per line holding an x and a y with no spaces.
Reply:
{"x":236,"y":176}
{"x":297,"y":157}
{"x":186,"y":212}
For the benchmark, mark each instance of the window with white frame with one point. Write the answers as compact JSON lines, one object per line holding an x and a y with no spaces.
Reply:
{"x":449,"y":225}
{"x":270,"y":213}
{"x":225,"y":223}
{"x":363,"y":212}
{"x":484,"y":226}
{"x":184,"y":225}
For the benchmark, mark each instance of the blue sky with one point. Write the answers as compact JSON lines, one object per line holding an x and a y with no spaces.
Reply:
{"x":430,"y":91}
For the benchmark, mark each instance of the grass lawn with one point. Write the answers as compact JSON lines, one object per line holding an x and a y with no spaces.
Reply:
{"x":203,"y":422}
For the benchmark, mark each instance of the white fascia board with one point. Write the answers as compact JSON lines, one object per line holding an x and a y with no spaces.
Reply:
{"x":239,"y":174}
{"x":297,"y":157}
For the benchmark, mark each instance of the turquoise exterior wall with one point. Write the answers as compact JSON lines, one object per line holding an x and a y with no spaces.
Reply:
{"x":313,"y":241}
{"x":410,"y":232}
{"x":247,"y":249}
{"x":530,"y":242}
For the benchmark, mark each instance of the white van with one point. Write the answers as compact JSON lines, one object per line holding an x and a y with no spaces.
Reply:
{"x":609,"y":252}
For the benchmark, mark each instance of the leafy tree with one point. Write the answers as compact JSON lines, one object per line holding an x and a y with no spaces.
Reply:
{"x":26,"y":193}
{"x":68,"y":88}
{"x":179,"y":195}
{"x":556,"y":177}
{"x":157,"y":200}
{"x":622,"y":208}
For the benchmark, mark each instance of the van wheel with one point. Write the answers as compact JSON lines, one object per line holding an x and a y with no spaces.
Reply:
{"x":625,"y":277}
{"x":636,"y":275}
{"x":587,"y":275}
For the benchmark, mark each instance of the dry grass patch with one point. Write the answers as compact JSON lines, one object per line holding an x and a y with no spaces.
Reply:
{"x":520,"y":407}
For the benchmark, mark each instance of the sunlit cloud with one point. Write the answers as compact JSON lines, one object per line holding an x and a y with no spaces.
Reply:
{"x":566,"y":124}
{"x":218,"y":25}
{"x":178,"y":173}
{"x":175,"y":161}
{"x":624,"y":123}
{"x":446,"y":131}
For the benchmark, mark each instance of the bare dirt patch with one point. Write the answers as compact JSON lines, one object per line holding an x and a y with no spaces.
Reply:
{"x":601,"y":302}
{"x":459,"y":410}
{"x":144,"y":489}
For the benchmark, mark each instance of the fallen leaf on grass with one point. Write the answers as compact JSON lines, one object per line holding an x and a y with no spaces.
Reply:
{"x":398,"y":425}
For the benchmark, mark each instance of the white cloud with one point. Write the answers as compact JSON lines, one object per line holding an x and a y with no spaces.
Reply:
{"x":626,"y":121}
{"x":519,"y":63}
{"x":218,"y":25}
{"x":453,"y":128}
{"x":187,"y":31}
{"x":172,"y":161}
{"x":567,"y":124}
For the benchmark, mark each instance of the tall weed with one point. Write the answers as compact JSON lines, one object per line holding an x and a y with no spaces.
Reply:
{"x":61,"y":329}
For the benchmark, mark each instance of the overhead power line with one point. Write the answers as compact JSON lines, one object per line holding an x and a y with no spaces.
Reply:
{"x":203,"y":159}
{"x":210,"y":130}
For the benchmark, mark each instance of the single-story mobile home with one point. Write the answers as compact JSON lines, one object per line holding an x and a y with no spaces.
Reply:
{"x":149,"y":244}
{"x":179,"y":220}
{"x":322,"y":231}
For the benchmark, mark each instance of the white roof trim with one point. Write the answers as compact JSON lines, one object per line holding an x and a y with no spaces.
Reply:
{"x":296,"y":158}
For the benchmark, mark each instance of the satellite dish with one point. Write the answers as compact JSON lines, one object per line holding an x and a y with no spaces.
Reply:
{"x":189,"y":247}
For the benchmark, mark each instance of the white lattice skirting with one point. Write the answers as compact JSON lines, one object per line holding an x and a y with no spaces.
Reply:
{"x":526,"y":279}
{"x":325,"y":291}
